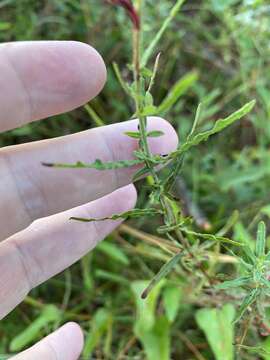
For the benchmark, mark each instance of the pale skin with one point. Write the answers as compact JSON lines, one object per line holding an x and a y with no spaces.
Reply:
{"x":38,"y":80}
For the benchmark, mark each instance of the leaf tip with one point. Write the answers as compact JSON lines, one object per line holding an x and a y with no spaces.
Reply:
{"x":144,"y":294}
{"x":47,"y":164}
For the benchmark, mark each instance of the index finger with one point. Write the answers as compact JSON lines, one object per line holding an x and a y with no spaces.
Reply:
{"x":45,"y":78}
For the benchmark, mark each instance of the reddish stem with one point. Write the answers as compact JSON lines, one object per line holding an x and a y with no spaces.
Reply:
{"x":130,"y":9}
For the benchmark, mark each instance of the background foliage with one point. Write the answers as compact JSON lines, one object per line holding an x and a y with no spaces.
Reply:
{"x":226,"y":43}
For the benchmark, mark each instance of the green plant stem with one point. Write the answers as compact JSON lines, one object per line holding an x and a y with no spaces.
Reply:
{"x":168,"y":211}
{"x":169,"y":215}
{"x":139,"y":103}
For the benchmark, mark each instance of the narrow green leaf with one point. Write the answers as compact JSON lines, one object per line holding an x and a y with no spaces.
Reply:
{"x":242,"y":281}
{"x":99,"y":325}
{"x":196,"y":121}
{"x":164,"y":271}
{"x":120,"y":79}
{"x":94,"y":116}
{"x":150,"y":49}
{"x":133,"y":134}
{"x":153,"y":77}
{"x":241,"y":234}
{"x":260,"y":241}
{"x":135,"y":213}
{"x":98,"y":165}
{"x":140,"y":173}
{"x":248,"y":300}
{"x":155,"y":133}
{"x":211,"y":237}
{"x":87,"y":275}
{"x":249,"y":255}
{"x":111,"y":277}
{"x":49,"y":314}
{"x":219,"y":126}
{"x":179,"y":88}
{"x":114,"y":252}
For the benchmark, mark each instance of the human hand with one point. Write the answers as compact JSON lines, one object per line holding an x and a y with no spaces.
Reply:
{"x":40,"y":79}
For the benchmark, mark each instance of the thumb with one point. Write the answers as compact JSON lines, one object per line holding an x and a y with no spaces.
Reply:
{"x":64,"y":344}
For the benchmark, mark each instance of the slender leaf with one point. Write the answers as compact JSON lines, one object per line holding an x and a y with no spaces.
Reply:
{"x":86,"y":265}
{"x":219,"y":126}
{"x":196,"y":121}
{"x":133,"y":134}
{"x":260,"y":241}
{"x":111,"y":277}
{"x":99,"y":325}
{"x":211,"y":237}
{"x":114,"y":252}
{"x":164,"y":271}
{"x":120,"y":79}
{"x":248,"y":300}
{"x":235,"y":283}
{"x":155,"y":133}
{"x":150,"y":49}
{"x":135,"y":213}
{"x":154,"y":74}
{"x":249,"y":255}
{"x":179,"y":88}
{"x":140,"y":173}
{"x":49,"y":314}
{"x":241,"y":234}
{"x":98,"y":165}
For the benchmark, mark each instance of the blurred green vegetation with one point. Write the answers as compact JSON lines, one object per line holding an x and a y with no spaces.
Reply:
{"x":228,"y":178}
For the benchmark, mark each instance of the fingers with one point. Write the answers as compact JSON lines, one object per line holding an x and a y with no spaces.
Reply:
{"x":45,"y":78}
{"x":51,"y":244}
{"x":64,"y":344}
{"x":29,"y":190}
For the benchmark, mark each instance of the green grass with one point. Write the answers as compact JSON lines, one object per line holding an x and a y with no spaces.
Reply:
{"x":227,"y":179}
